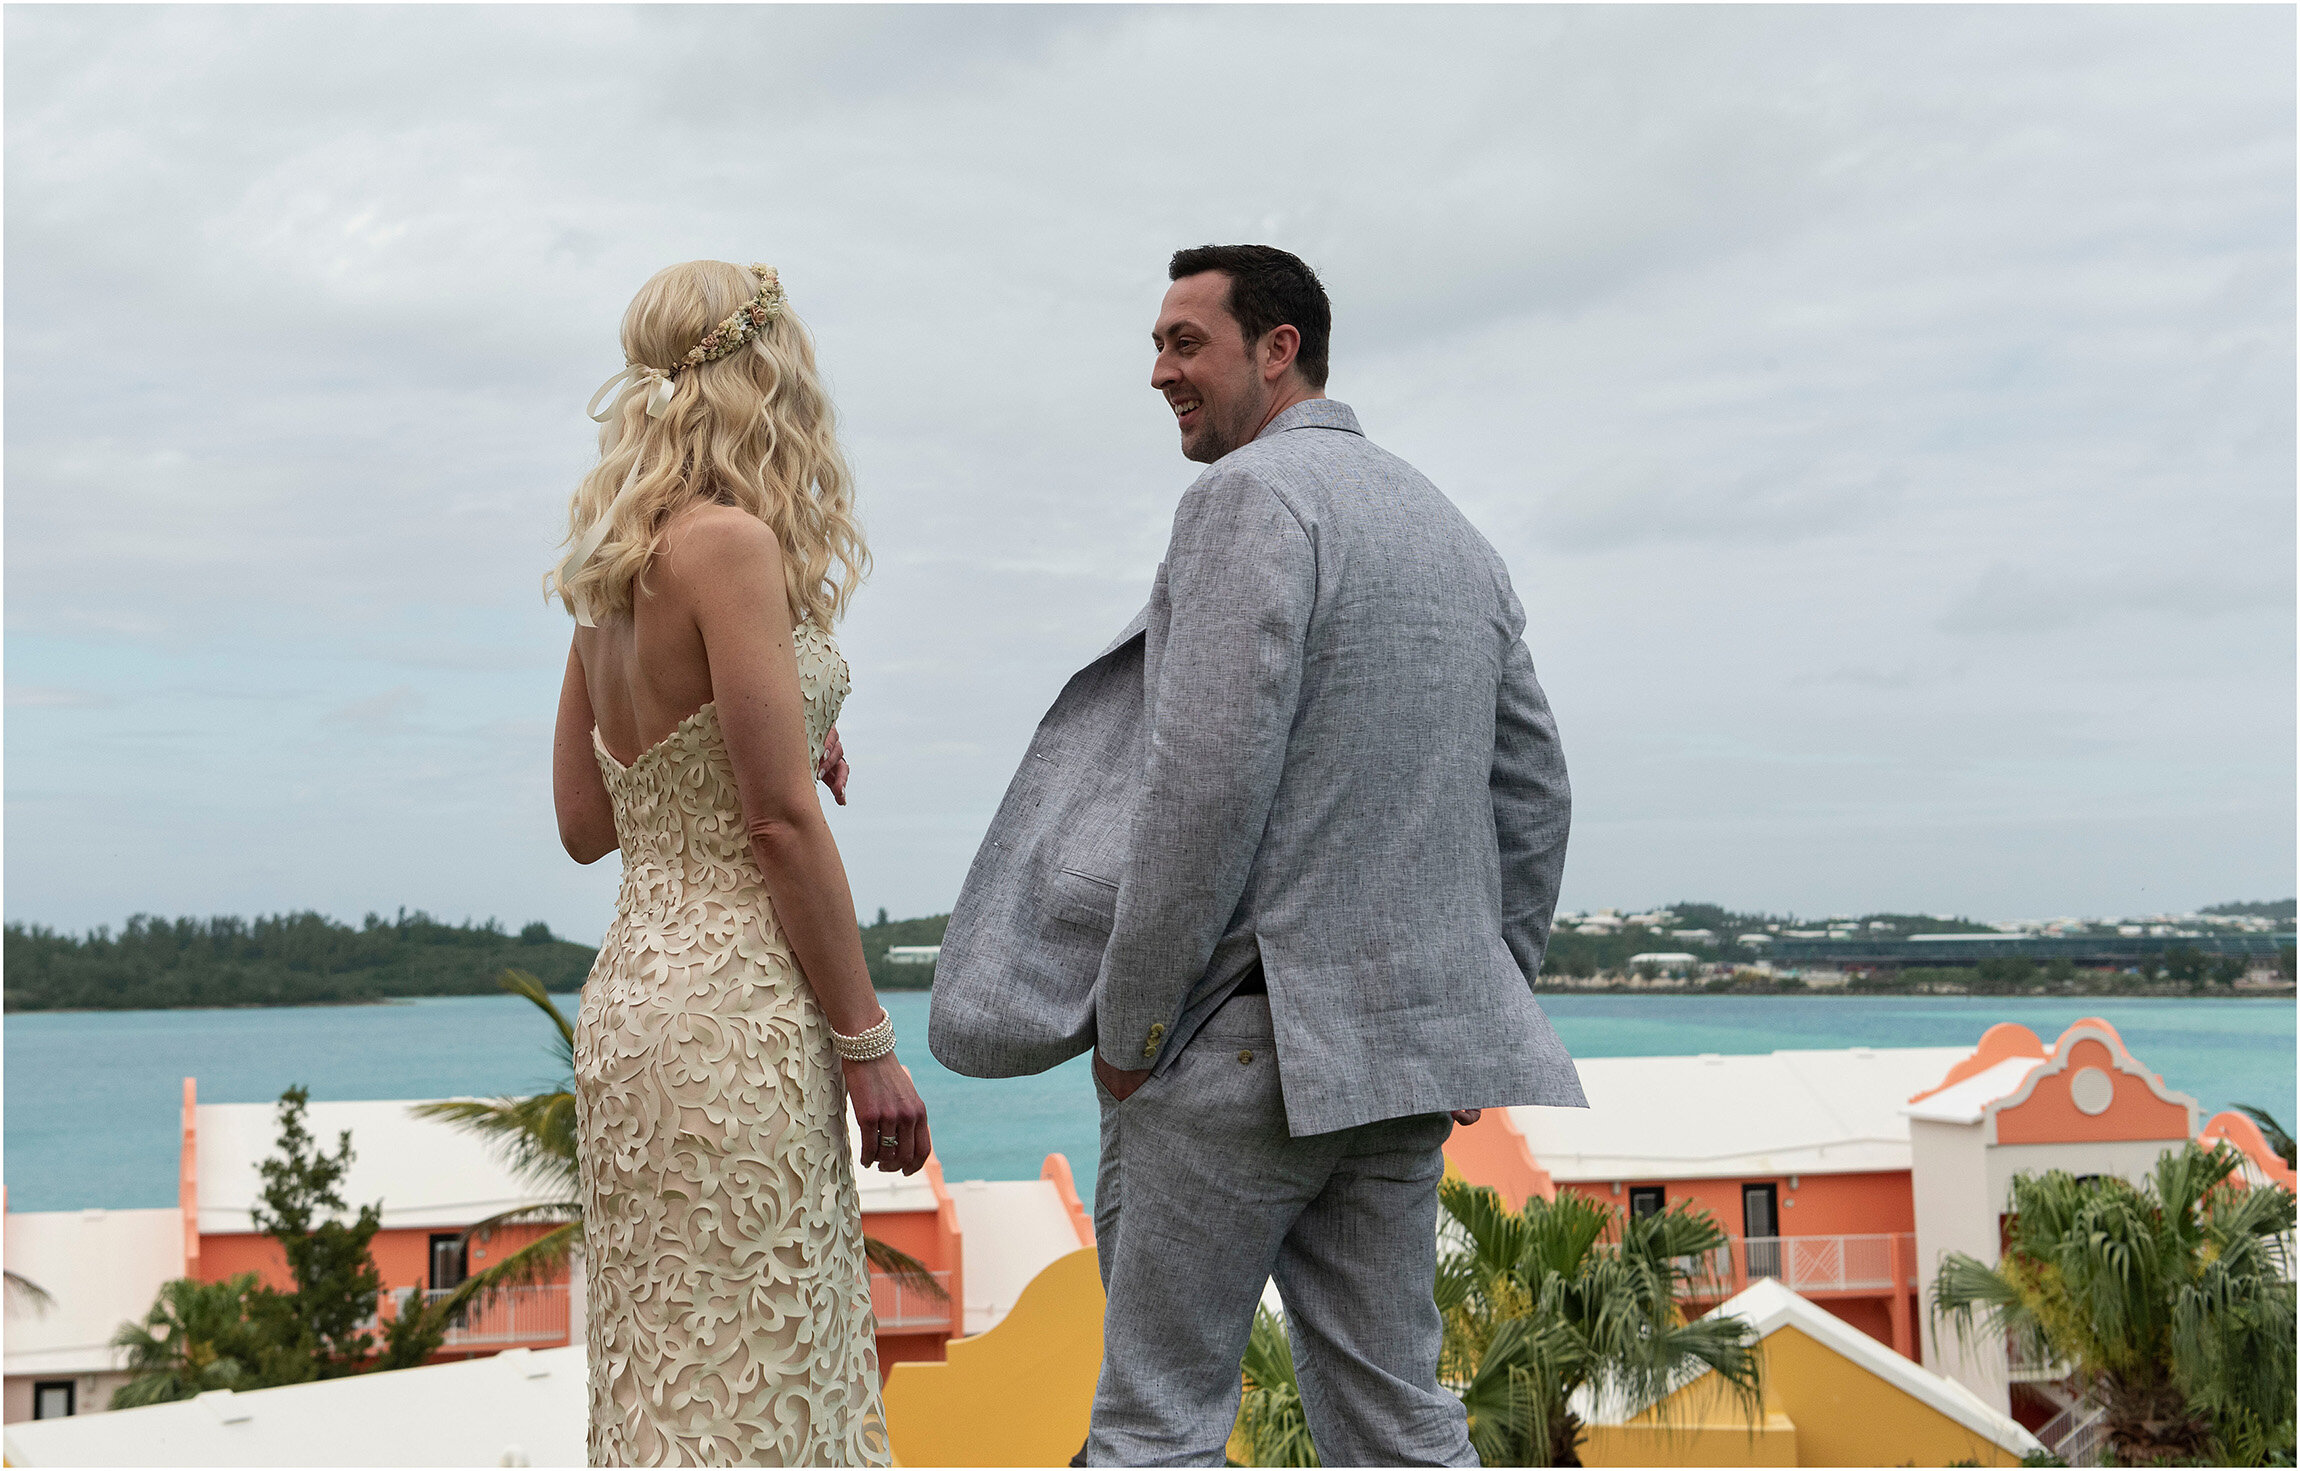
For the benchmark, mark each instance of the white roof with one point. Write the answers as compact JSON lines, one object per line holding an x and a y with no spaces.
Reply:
{"x":518,"y":1408}
{"x":1012,"y":1230}
{"x":101,"y":1268}
{"x":427,"y":1173}
{"x":1963,"y":1103}
{"x":1768,"y":1307}
{"x":1714,"y":1116}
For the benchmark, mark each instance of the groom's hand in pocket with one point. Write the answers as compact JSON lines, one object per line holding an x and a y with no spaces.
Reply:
{"x":1120,"y":1082}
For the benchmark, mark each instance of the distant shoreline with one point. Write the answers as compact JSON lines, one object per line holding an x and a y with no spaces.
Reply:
{"x":1960,"y":993}
{"x":2161,"y":993}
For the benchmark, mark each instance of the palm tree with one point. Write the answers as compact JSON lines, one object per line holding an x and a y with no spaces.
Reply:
{"x":2170,"y":1299}
{"x":197,"y":1337}
{"x":1540,"y":1304}
{"x":1570,"y":1295}
{"x":1270,"y":1413}
{"x":537,"y":1134}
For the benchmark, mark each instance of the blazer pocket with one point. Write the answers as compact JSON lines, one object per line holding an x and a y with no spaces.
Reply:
{"x":1085,"y":900}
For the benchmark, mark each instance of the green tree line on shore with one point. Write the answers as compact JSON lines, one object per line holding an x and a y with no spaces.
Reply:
{"x":308,"y":959}
{"x":275,"y":960}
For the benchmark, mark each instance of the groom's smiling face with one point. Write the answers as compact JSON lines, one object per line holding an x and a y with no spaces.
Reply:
{"x":1206,"y":369}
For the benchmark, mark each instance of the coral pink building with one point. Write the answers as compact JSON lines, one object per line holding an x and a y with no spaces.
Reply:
{"x":1845,"y":1174}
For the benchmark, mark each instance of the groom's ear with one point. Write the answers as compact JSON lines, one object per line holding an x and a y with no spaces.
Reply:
{"x":1279,"y":347}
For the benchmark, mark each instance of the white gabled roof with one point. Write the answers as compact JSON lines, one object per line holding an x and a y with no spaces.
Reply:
{"x":1768,"y":1307}
{"x":517,"y":1408}
{"x":1011,"y":1231}
{"x":1965,"y":1102}
{"x":100,"y":1268}
{"x":426,"y":1172}
{"x":1837,"y":1111}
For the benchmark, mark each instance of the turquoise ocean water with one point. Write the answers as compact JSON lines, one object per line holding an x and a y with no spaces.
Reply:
{"x":89,"y":1100}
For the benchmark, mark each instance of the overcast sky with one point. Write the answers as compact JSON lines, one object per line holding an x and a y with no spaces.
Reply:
{"x":1886,"y":414}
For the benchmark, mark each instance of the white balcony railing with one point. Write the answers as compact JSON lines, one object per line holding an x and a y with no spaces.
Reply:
{"x":2078,"y":1434}
{"x":904,"y":1308}
{"x":511,"y":1316}
{"x":1809,"y":1264}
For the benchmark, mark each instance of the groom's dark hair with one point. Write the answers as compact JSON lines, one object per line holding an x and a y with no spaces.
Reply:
{"x":1269,"y":288}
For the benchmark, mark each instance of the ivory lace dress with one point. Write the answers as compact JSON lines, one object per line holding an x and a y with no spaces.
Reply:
{"x":728,"y":1315}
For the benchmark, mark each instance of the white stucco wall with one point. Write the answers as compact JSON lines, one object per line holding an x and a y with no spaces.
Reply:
{"x":1956,"y":1210}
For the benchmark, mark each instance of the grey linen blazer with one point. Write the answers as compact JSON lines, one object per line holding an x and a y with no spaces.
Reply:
{"x":1321,"y":745}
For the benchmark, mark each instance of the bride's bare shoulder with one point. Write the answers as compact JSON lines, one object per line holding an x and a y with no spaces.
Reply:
{"x":711,"y":543}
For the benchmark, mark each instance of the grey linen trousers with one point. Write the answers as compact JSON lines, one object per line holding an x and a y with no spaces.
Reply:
{"x":1203,"y":1196}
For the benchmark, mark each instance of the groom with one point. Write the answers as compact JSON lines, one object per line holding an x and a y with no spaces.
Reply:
{"x":1284,"y":856}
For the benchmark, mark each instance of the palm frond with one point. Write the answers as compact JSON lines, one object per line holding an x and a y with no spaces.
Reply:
{"x":1270,"y":1414}
{"x":520,"y":983}
{"x":22,"y":1289}
{"x":904,"y":1268}
{"x":2279,"y":1138}
{"x":536,"y":1135}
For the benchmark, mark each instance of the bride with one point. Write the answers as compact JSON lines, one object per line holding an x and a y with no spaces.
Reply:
{"x":729,"y":1017}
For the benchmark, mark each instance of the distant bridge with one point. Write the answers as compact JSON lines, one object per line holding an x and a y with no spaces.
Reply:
{"x":2085,"y":950}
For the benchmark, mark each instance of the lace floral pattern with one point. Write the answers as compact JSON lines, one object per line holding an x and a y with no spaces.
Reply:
{"x":729,"y":1318}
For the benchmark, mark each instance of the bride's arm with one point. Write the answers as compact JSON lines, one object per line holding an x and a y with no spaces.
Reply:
{"x":578,"y":792}
{"x":733,"y":567}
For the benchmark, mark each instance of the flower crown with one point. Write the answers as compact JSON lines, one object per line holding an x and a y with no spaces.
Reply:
{"x":730,"y":335}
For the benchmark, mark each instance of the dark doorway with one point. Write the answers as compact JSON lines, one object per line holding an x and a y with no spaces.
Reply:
{"x":53,"y":1399}
{"x":449,"y":1265}
{"x":1761,"y":1226}
{"x":1646,"y":1200}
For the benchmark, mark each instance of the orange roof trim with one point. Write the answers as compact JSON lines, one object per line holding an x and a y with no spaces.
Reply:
{"x":2244,"y":1136}
{"x":2091,"y":1089}
{"x":1999,"y":1043}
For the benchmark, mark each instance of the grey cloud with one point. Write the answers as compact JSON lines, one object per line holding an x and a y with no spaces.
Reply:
{"x":49,"y":697}
{"x":388,"y":711}
{"x":2007,"y":599}
{"x":1639,"y":504}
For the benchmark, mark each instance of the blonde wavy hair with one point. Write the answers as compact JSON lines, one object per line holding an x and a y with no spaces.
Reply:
{"x":753,"y":429}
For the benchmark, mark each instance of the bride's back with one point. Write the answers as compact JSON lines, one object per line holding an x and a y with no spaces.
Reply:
{"x":647,"y":669}
{"x":720,"y":418}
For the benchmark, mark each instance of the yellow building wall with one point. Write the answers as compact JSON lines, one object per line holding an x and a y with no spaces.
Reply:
{"x":1018,"y":1395}
{"x":1822,"y":1409}
{"x":1847,"y":1416}
{"x":1721,"y":1443}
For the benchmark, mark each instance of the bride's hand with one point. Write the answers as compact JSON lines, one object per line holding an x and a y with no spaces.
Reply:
{"x":833,"y":769}
{"x":887,"y":1106}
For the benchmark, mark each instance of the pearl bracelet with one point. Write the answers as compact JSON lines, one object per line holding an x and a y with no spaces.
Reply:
{"x":868,"y":1045}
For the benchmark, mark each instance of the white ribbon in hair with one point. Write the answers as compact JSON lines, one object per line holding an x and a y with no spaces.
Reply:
{"x":657,"y":384}
{"x":637,"y":375}
{"x":593,"y":536}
